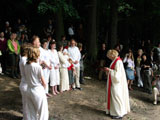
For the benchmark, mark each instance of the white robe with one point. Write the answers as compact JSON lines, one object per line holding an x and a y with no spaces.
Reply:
{"x":23,"y":87}
{"x":119,"y":100}
{"x":36,"y":97}
{"x":64,"y":78}
{"x":46,"y":72}
{"x":54,"y":73}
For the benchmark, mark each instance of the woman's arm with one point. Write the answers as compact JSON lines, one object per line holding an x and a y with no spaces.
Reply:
{"x":43,"y":82}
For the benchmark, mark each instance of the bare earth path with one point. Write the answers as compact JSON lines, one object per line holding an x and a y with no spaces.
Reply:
{"x":88,"y":104}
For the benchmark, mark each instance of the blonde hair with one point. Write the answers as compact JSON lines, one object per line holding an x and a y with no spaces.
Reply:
{"x":33,"y":55}
{"x":112,"y":53}
{"x":140,"y":51}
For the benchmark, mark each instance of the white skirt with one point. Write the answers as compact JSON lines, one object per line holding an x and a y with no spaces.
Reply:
{"x":54,"y":77}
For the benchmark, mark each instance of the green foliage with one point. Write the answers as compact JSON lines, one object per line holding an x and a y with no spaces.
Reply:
{"x":43,"y":7}
{"x":125,"y":8}
{"x":29,"y":1}
{"x":54,"y":5}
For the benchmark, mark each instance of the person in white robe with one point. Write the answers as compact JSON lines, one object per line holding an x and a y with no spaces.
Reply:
{"x":23,"y":85}
{"x":46,"y":58}
{"x":54,"y":73}
{"x":117,"y":89}
{"x":75,"y":55}
{"x":36,"y":97}
{"x":64,"y":64}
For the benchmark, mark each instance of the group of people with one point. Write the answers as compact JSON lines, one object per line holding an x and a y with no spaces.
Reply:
{"x":41,"y":67}
{"x":144,"y":70}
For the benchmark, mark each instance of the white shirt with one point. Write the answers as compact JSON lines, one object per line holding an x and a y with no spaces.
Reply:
{"x":33,"y":74}
{"x":129,"y":61}
{"x":54,"y":58}
{"x":74,"y":54}
{"x":41,"y":54}
{"x":22,"y":64}
{"x":46,"y":57}
{"x":70,"y":31}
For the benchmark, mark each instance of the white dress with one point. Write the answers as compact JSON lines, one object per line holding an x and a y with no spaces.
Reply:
{"x":54,"y":73}
{"x":64,"y":78}
{"x":36,"y":97}
{"x":23,"y":87}
{"x":119,"y":100}
{"x":46,"y":72}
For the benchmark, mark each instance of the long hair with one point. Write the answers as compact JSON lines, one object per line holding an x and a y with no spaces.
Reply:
{"x":132,"y":56}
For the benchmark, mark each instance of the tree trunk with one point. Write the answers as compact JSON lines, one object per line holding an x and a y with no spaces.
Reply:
{"x":114,"y":22}
{"x":59,"y":25}
{"x":92,"y":51}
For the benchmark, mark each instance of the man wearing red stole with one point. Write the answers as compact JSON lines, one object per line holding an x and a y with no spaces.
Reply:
{"x":117,"y":89}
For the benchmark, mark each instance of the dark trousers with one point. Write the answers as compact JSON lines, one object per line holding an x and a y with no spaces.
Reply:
{"x":81,"y":80}
{"x":13,"y":60}
{"x":147,"y":81}
{"x":3,"y":60}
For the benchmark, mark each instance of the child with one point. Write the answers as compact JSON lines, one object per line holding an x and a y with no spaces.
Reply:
{"x":71,"y":73}
{"x":54,"y":74}
{"x":156,"y":89}
{"x":46,"y":58}
{"x":36,"y":97}
{"x":23,"y":84}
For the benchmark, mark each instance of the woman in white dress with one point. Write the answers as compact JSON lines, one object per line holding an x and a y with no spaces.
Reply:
{"x":64,"y":78}
{"x":54,"y":73}
{"x":36,"y":97}
{"x":23,"y":85}
{"x":46,"y":58}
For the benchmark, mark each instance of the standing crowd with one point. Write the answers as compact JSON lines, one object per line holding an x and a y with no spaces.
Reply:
{"x":42,"y":68}
{"x":142,"y":66}
{"x":49,"y":68}
{"x":42,"y":65}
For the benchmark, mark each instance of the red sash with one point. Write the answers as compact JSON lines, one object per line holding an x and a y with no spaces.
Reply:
{"x":109,"y":83}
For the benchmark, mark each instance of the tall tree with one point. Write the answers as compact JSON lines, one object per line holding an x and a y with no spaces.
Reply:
{"x":114,"y":22}
{"x":59,"y":24}
{"x":92,"y":32}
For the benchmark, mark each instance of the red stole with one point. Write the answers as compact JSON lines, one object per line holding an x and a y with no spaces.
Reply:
{"x":109,"y":83}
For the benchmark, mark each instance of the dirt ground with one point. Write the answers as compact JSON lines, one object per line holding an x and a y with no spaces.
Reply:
{"x":88,"y":104}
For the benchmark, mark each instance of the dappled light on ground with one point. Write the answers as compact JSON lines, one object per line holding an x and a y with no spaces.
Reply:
{"x":88,"y":104}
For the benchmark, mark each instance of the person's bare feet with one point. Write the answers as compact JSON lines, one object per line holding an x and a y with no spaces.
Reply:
{"x":57,"y":92}
{"x":54,"y":93}
{"x":130,"y":88}
{"x":48,"y":95}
